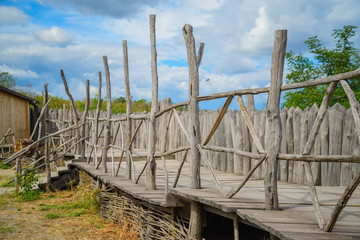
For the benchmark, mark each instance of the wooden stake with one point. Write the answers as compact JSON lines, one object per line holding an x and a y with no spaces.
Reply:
{"x":196,"y":213}
{"x":151,"y":170}
{"x":47,"y":163}
{"x":273,"y":119}
{"x":128,"y":108}
{"x":83,"y":118}
{"x":77,"y":133}
{"x":107,"y":132}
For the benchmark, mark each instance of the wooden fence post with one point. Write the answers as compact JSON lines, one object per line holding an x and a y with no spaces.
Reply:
{"x":151,"y":170}
{"x":273,"y":119}
{"x":195,"y":214}
{"x":83,"y":119}
{"x":47,"y":141}
{"x":108,"y":114}
{"x":128,"y":108}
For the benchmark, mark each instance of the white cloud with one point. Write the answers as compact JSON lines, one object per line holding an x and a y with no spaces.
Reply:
{"x":54,"y":36}
{"x":12,"y":15}
{"x":18,"y":73}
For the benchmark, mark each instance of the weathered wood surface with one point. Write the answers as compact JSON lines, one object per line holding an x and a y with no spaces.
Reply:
{"x":295,"y":219}
{"x":273,"y":120}
{"x":238,"y":134}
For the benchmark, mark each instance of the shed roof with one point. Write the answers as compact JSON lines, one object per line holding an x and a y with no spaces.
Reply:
{"x":12,"y":92}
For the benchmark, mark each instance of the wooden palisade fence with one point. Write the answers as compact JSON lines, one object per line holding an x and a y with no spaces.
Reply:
{"x":272,"y":144}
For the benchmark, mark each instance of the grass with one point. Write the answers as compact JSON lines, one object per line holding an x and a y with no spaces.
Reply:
{"x":4,"y":166}
{"x":5,"y":179}
{"x":68,"y":214}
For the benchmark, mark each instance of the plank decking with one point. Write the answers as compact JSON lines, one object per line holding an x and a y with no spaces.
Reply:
{"x":296,"y":219}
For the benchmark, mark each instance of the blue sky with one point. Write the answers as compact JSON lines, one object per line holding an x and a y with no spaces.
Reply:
{"x":38,"y":38}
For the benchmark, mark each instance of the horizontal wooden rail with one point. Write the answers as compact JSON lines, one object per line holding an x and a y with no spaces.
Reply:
{"x":180,"y":149}
{"x":235,"y":151}
{"x":319,"y":158}
{"x":316,"y":82}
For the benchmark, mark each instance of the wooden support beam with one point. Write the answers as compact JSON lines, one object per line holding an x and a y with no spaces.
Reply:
{"x":37,"y":122}
{"x":273,"y":120}
{"x":218,"y":120}
{"x":250,"y":125}
{"x":196,"y":212}
{"x":83,"y":118}
{"x":236,"y":227}
{"x":107,"y":132}
{"x":72,"y":102}
{"x":128,"y":108}
{"x":307,"y":149}
{"x":47,"y":143}
{"x":151,"y":168}
{"x":345,"y":197}
{"x":179,"y":169}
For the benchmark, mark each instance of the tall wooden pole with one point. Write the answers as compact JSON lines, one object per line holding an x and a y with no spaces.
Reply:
{"x":151,"y":170}
{"x":195,"y":211}
{"x":273,"y":120}
{"x":128,"y":108}
{"x":47,"y":141}
{"x":83,"y":118}
{"x":108,"y":115}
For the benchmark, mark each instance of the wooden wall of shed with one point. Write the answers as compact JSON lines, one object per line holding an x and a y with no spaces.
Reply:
{"x":336,"y":137}
{"x":15,"y":115}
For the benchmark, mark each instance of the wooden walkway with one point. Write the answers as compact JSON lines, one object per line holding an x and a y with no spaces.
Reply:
{"x":295,"y":221}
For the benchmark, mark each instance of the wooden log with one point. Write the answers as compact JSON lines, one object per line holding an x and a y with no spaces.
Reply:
{"x":47,"y":143}
{"x":37,"y":122}
{"x":236,"y":227}
{"x":151,"y":168}
{"x":179,"y":169}
{"x":193,"y":105}
{"x":219,"y":119}
{"x":83,"y":118}
{"x":196,"y":209}
{"x":320,"y":158}
{"x":316,"y":82}
{"x":246,"y":178}
{"x":234,"y":151}
{"x":107,"y":137}
{"x":128,"y":108}
{"x":195,"y":225}
{"x":77,"y":132}
{"x":250,"y":125}
{"x":354,"y":105}
{"x":273,"y":118}
{"x":233,"y":135}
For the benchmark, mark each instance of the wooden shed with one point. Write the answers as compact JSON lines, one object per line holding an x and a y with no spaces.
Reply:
{"x":16,"y":113}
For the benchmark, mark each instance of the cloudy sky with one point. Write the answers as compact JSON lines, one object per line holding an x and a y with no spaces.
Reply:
{"x":38,"y":38}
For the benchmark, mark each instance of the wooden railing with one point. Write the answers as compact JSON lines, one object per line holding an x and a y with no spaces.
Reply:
{"x":268,"y":154}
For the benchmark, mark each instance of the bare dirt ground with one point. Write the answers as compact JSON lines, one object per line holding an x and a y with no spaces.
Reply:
{"x":61,"y":215}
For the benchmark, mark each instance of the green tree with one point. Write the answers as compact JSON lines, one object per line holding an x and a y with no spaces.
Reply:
{"x":7,"y":80}
{"x":343,"y":58}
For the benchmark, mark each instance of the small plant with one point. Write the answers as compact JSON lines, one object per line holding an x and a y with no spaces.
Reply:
{"x":52,"y":215}
{"x":27,"y":183}
{"x":4,"y":166}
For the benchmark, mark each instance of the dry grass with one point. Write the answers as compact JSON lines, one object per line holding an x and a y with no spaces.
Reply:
{"x":70,"y":214}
